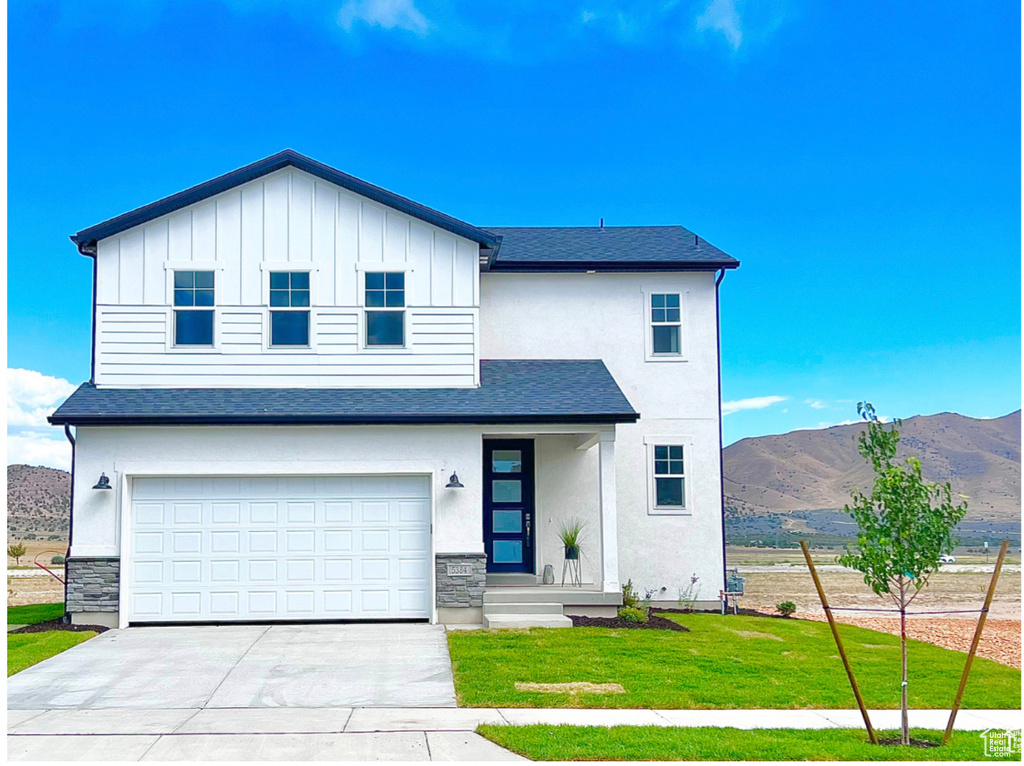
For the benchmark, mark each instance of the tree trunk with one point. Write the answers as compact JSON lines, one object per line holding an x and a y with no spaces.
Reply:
{"x":904,"y":719}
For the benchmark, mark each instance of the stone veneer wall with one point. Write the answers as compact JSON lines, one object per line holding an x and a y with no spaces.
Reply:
{"x":93,"y":584}
{"x":461,"y":590}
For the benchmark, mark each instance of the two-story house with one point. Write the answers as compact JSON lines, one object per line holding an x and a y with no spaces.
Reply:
{"x":313,"y":399}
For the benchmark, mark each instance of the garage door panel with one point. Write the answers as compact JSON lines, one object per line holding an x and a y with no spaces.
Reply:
{"x":256,"y":548}
{"x":226,"y":513}
{"x":263,"y":513}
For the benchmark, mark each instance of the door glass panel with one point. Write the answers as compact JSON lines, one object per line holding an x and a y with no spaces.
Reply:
{"x":507,"y":461}
{"x":508,"y":551}
{"x":507,"y":521}
{"x":507,"y":491}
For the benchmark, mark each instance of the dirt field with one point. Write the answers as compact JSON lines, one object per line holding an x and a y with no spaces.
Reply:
{"x":49,"y":549}
{"x":847,"y":589}
{"x":1001,"y":640}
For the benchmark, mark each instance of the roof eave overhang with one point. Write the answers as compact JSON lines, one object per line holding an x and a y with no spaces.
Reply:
{"x":86,"y":239}
{"x":609,"y":266}
{"x":389,"y":420}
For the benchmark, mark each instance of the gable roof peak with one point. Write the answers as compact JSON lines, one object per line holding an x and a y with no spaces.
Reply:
{"x":86,"y":239}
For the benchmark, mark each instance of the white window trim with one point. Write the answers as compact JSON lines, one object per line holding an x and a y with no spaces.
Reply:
{"x":362,"y":268}
{"x":649,"y":355}
{"x":686,"y":442}
{"x":173,"y":266}
{"x":313,"y":271}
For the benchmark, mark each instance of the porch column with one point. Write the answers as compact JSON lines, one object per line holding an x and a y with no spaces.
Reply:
{"x":609,"y":517}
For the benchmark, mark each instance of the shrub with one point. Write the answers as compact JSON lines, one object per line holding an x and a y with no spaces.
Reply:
{"x":786,"y":608}
{"x":632,"y":614}
{"x":629,"y":595}
{"x":57,"y":560}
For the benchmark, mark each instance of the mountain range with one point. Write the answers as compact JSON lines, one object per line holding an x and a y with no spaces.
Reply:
{"x":815,"y":470}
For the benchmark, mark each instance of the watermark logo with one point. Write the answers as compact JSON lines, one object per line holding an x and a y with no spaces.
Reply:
{"x":1001,"y":743}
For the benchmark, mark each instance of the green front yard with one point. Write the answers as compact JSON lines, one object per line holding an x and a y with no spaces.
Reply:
{"x":26,"y":649}
{"x":654,"y":743}
{"x":724,"y":662}
{"x":34,"y":613}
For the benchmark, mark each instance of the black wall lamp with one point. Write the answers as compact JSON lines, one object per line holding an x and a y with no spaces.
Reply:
{"x":103,"y":483}
{"x":453,"y":482}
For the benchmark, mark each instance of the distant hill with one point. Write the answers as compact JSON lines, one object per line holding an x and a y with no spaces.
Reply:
{"x":813,"y":471}
{"x":37,"y":503}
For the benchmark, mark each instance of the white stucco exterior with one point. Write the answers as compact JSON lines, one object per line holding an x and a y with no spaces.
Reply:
{"x":604,"y":316}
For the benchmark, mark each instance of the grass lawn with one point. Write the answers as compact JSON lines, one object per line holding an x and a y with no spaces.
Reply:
{"x":655,"y":743}
{"x":26,"y":649}
{"x":33,"y":613}
{"x":724,"y":662}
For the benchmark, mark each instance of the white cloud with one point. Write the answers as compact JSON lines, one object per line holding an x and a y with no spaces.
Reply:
{"x":722,"y":16}
{"x":816,"y":404}
{"x":386,"y":14}
{"x":39,"y":449}
{"x":754,"y":403}
{"x":31,"y":396}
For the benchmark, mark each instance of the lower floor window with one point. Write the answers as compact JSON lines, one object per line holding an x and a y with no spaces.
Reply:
{"x":193,"y":328}
{"x":289,"y":328}
{"x":385,"y":328}
{"x":669,"y":477}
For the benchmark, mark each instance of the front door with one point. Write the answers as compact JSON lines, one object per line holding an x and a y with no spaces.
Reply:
{"x":508,"y":505}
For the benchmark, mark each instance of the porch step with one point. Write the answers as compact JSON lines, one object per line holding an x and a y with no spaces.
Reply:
{"x":511,"y":620}
{"x":533,"y":607}
{"x":512,"y":578}
{"x":550,"y":594}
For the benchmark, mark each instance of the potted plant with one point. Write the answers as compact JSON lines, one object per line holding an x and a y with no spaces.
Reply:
{"x":570,"y":533}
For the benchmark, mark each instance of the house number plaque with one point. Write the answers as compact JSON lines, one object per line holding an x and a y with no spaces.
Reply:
{"x":459,"y":570}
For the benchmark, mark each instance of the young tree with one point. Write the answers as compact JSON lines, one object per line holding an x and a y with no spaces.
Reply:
{"x":904,"y":525}
{"x":16,"y":551}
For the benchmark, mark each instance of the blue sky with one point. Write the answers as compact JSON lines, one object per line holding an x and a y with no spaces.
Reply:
{"x":861,"y":159}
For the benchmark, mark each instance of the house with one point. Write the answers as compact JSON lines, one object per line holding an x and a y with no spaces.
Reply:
{"x":313,"y":399}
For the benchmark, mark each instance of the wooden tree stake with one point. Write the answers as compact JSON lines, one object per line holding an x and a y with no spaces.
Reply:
{"x":974,"y":643}
{"x":839,"y":643}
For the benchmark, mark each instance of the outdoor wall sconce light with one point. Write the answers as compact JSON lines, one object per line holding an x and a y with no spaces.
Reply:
{"x":453,"y":482}
{"x":103,"y":483}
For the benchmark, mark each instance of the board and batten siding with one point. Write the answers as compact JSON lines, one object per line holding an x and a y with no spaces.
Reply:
{"x":286,"y":218}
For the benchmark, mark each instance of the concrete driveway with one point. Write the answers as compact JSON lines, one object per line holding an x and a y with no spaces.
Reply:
{"x":245,"y":666}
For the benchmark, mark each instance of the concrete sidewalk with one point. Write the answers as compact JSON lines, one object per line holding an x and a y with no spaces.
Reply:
{"x":295,"y":734}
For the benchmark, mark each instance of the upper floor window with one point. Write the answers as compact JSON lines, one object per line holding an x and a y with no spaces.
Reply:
{"x":669,"y":477}
{"x":193,"y":308}
{"x":289,"y":308}
{"x":666,"y":325}
{"x":385,"y":308}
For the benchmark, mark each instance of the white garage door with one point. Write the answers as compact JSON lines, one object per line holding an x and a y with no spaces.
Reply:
{"x":279,"y":548}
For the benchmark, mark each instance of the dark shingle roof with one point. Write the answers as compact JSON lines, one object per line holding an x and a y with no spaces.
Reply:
{"x":288,"y":157}
{"x":510,"y":391}
{"x":624,"y":248}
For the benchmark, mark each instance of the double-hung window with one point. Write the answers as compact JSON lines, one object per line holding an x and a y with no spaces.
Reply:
{"x":385,"y":308}
{"x":193,"y":308}
{"x":669,"y":477}
{"x":289,"y":308}
{"x":666,"y":325}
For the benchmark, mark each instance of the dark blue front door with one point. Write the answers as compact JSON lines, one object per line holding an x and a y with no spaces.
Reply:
{"x":508,"y":505}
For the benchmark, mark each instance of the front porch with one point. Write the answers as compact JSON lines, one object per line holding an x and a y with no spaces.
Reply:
{"x":534,"y":483}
